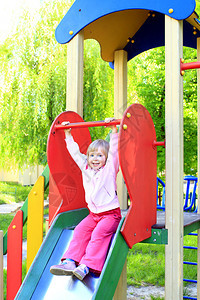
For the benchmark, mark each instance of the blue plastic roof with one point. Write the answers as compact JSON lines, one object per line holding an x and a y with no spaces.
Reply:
{"x":150,"y":35}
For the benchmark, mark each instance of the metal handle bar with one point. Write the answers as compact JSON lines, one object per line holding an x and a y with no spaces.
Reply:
{"x":191,"y":65}
{"x":89,"y":124}
{"x":155,"y":143}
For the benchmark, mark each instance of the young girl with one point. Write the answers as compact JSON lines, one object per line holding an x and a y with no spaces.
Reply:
{"x":89,"y":245}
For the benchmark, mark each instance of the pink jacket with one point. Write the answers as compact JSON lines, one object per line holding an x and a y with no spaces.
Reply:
{"x":100,"y":186}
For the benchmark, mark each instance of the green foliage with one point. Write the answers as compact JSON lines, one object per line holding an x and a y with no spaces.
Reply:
{"x":15,"y":192}
{"x":147,"y":77}
{"x":190,"y":115}
{"x":98,"y":88}
{"x":197,"y":9}
{"x":32,"y":86}
{"x":5,"y":220}
{"x":148,"y":72}
{"x":33,"y":89}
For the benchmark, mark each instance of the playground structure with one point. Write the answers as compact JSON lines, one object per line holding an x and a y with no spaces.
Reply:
{"x":124,"y":29}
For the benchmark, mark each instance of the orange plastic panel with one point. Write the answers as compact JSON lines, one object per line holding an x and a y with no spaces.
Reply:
{"x":138,"y":160}
{"x":65,"y":188}
{"x":14,"y":255}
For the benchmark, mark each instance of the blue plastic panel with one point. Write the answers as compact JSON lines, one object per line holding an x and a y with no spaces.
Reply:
{"x":84,"y":12}
{"x":152,"y":34}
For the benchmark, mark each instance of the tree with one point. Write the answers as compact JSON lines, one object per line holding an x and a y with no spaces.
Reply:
{"x":33,"y":89}
{"x":33,"y":85}
{"x":147,"y":76}
{"x":148,"y":71}
{"x":98,"y":88}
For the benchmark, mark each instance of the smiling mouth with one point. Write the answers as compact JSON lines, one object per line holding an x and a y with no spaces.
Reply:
{"x":96,"y":164}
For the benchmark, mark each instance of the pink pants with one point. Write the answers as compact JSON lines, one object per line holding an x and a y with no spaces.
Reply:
{"x":91,"y":239}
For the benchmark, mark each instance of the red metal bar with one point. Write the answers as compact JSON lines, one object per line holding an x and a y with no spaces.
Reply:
{"x":88,"y":124}
{"x":189,"y":66}
{"x":155,"y":144}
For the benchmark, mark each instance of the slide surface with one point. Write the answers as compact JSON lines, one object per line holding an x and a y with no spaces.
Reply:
{"x":41,"y":284}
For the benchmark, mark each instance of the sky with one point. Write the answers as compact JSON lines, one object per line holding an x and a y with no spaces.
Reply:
{"x":10,"y":11}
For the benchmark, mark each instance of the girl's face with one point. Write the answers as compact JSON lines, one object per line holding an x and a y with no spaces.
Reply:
{"x":96,"y":159}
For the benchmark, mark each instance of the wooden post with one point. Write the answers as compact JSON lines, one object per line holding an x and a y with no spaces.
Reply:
{"x":1,"y":265}
{"x":174,"y":159}
{"x":74,"y":94}
{"x":120,"y":104}
{"x":198,"y":200}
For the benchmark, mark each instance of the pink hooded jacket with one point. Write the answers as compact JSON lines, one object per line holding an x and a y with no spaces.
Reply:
{"x":100,"y":186}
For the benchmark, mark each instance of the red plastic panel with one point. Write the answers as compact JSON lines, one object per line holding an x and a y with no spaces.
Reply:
{"x":14,"y":255}
{"x":138,"y":160}
{"x":65,"y":187}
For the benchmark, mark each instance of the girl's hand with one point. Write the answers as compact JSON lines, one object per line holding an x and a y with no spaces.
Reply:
{"x":113,"y":127}
{"x":67,"y":131}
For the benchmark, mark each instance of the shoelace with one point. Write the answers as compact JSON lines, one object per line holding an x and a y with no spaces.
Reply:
{"x":66,"y":261}
{"x":84,"y":269}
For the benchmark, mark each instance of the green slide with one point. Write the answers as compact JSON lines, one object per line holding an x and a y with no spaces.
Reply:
{"x":39,"y":283}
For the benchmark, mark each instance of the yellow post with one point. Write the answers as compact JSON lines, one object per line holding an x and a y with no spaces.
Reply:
{"x":35,"y":220}
{"x":1,"y":265}
{"x":174,"y":159}
{"x":120,"y":104}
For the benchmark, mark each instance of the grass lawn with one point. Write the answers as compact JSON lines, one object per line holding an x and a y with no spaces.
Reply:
{"x":146,"y":265}
{"x":11,"y":192}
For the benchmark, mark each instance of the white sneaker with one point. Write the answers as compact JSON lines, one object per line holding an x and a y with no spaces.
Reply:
{"x":81,"y":271}
{"x":65,"y":268}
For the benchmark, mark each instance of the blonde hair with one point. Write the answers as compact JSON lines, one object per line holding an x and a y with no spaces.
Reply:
{"x":104,"y":145}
